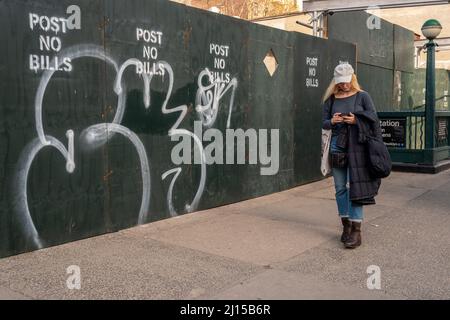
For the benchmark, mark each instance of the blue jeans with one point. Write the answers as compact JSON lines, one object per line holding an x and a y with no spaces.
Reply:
{"x":346,"y":208}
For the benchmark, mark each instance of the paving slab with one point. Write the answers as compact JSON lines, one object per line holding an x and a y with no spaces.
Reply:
{"x":7,"y":294}
{"x":282,"y":285}
{"x":398,"y":196}
{"x":411,"y":251}
{"x":118,"y":267}
{"x":313,"y":212}
{"x":246,"y":238}
{"x":432,"y":201}
{"x":327,"y":193}
{"x":418,"y":180}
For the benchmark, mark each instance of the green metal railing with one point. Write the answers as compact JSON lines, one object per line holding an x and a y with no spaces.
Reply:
{"x":411,"y":134}
{"x":414,"y":130}
{"x":441,"y":136}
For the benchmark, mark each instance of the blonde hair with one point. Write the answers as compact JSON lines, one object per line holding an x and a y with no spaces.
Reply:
{"x":333,"y":88}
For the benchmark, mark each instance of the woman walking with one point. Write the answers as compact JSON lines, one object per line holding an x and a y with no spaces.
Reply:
{"x":349,"y":112}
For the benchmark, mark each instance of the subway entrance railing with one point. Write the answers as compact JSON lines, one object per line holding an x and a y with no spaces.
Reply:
{"x":404,"y":134}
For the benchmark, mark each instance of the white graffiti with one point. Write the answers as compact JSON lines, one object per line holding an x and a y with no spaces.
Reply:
{"x":208,"y":97}
{"x":93,"y":137}
{"x":20,"y":202}
{"x":97,"y":135}
{"x":118,"y":89}
{"x":73,"y":53}
{"x":193,"y":206}
{"x":173,"y":133}
{"x":70,"y":165}
{"x":177,"y":172}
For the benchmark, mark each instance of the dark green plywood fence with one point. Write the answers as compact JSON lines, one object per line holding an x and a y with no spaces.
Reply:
{"x":87,"y":149}
{"x":385,"y":55}
{"x":386,"y":70}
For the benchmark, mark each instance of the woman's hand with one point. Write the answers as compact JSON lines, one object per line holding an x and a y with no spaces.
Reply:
{"x":350,"y":119}
{"x":337,"y":118}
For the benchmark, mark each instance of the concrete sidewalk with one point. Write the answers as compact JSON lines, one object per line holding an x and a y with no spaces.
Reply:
{"x":282,"y":246}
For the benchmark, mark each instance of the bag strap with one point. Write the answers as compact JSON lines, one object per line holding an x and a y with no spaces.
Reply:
{"x":331,"y":105}
{"x":356,"y":100}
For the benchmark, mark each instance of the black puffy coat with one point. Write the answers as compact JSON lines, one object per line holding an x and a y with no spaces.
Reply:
{"x":363,"y":187}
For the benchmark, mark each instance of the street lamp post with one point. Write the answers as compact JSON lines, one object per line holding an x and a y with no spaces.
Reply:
{"x":431,"y":29}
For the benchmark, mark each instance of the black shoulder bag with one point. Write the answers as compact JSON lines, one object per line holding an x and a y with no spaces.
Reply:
{"x":380,"y":164}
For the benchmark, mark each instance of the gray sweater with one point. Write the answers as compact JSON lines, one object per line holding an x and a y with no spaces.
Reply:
{"x":345,"y":105}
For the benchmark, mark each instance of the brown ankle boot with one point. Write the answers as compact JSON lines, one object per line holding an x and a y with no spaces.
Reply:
{"x":354,"y":240}
{"x":347,"y":224}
